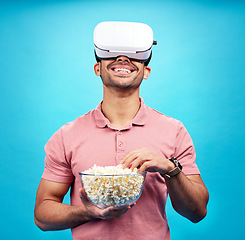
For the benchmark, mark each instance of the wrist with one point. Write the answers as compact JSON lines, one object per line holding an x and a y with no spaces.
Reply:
{"x":174,"y":170}
{"x":83,"y":215}
{"x":170,"y":167}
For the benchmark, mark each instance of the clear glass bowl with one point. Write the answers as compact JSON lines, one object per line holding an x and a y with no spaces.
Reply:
{"x":113,"y":190}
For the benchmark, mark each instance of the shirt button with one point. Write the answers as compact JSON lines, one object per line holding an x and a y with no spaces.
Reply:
{"x":120,"y":133}
{"x":120,"y":144}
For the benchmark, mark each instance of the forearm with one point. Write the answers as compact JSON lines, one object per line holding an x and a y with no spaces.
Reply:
{"x":188,"y":195}
{"x":189,"y":198}
{"x":51,"y":215}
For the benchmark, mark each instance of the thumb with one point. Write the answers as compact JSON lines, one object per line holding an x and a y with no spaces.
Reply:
{"x":84,"y":196}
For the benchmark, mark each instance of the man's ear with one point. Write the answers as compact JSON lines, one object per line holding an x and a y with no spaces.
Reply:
{"x":147,"y":71}
{"x":97,"y":69}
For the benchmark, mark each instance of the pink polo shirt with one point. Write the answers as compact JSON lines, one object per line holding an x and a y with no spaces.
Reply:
{"x":91,"y":139}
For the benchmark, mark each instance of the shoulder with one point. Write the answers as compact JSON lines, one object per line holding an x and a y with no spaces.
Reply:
{"x":160,"y":118}
{"x":74,"y":128}
{"x":78,"y":123}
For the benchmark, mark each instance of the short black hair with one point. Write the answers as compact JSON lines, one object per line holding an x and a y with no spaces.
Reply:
{"x":146,"y":63}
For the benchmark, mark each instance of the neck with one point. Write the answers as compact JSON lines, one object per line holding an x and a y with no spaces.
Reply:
{"x":120,"y":108}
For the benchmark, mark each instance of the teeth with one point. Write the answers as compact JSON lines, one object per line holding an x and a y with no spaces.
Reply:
{"x":122,"y":70}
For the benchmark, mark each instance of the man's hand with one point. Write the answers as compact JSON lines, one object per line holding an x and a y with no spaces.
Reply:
{"x":146,"y":160}
{"x":188,"y":194}
{"x":52,"y":214}
{"x":98,"y":213}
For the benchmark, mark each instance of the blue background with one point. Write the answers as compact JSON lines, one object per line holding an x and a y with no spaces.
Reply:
{"x":47,"y":80}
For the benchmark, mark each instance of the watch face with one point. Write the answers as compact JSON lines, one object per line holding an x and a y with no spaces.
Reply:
{"x":176,"y":162}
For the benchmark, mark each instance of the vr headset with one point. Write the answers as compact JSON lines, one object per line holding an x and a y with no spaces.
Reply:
{"x":130,"y":39}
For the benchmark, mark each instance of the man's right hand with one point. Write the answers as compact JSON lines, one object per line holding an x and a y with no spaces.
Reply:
{"x":98,"y":213}
{"x":52,"y":214}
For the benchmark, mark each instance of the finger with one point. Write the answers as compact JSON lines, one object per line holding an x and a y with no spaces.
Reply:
{"x":119,"y":212}
{"x":84,"y":197}
{"x":144,"y":166}
{"x":123,"y":211}
{"x":132,"y":205}
{"x":142,"y":162}
{"x":129,"y":158}
{"x":112,"y":212}
{"x":106,"y":212}
{"x":130,"y":154}
{"x":138,"y":162}
{"x":125,"y":158}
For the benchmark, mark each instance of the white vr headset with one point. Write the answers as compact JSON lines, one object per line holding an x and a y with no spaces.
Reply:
{"x":113,"y":39}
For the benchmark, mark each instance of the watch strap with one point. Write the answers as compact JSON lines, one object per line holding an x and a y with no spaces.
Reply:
{"x":172,"y":173}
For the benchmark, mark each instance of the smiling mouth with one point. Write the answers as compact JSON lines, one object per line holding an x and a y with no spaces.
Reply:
{"x":122,"y":70}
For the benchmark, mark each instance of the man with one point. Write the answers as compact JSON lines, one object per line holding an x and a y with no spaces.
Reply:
{"x":122,"y":129}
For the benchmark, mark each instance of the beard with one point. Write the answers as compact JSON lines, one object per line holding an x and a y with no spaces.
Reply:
{"x":121,"y":82}
{"x":111,"y":83}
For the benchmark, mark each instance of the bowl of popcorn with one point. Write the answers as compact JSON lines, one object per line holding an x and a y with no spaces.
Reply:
{"x":112,"y":185}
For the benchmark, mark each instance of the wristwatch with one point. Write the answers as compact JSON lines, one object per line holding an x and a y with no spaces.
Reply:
{"x":174,"y":171}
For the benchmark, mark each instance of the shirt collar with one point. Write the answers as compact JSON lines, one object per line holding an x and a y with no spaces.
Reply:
{"x":139,"y":119}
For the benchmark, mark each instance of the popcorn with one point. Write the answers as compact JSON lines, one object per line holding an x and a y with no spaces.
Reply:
{"x":112,"y":185}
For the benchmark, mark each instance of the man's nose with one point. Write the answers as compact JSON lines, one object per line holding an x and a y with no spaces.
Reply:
{"x":123,"y":59}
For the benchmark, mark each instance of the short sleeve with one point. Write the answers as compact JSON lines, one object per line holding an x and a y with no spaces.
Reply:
{"x":57,"y":168}
{"x":185,"y":151}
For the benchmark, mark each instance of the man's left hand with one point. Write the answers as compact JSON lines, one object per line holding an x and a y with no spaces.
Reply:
{"x":146,"y":160}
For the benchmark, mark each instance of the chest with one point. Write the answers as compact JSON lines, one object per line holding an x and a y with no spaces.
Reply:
{"x":106,"y":147}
